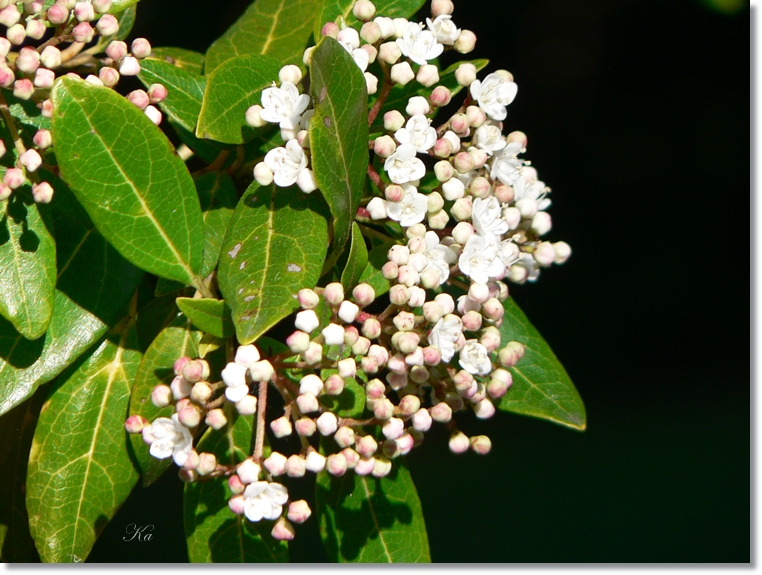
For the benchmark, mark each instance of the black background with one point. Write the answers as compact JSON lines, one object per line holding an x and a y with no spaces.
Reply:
{"x":636,"y":113}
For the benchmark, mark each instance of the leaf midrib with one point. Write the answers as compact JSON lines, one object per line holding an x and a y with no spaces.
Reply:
{"x":272,"y":28}
{"x":375,"y":520}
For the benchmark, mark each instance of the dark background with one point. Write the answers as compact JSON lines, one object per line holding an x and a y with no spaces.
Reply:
{"x":636,"y":113}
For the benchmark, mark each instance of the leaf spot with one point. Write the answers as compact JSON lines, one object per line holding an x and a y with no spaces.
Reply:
{"x":327,"y":122}
{"x":323,"y":94}
{"x":240,"y":291}
{"x":293,"y":268}
{"x":248,"y":298}
{"x":243,"y":265}
{"x":246,"y":317}
{"x":234,"y":252}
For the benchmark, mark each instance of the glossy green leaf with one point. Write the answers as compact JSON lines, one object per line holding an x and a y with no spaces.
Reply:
{"x":372,"y":274}
{"x":209,"y":315}
{"x":339,"y":133}
{"x":207,"y":150}
{"x":118,"y":6}
{"x":154,"y":317}
{"x":357,"y":260}
{"x":277,"y":28}
{"x":333,"y":9}
{"x":94,"y":286}
{"x":213,"y":532}
{"x":125,"y":173}
{"x":349,"y":403}
{"x":541,"y":387}
{"x":364,"y":519}
{"x":80,"y":470}
{"x":275,"y":246}
{"x":218,"y":197}
{"x":186,"y":59}
{"x":185,"y":90}
{"x":17,"y":427}
{"x":179,"y":338}
{"x":231,"y":89}
{"x":399,"y":95}
{"x":165,"y":286}
{"x":28,"y":117}
{"x":28,"y":258}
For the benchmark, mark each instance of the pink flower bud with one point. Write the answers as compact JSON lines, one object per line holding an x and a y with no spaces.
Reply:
{"x":336,"y":464}
{"x":108,"y":25}
{"x":417,"y":297}
{"x":484,"y":409}
{"x":141,"y":48}
{"x":510,"y":354}
{"x":236,"y":504}
{"x":441,"y":412}
{"x":43,"y":79}
{"x":101,"y":6}
{"x":83,"y":32}
{"x":393,"y":121}
{"x":9,"y":15}
{"x":544,"y":253}
{"x":563,"y":251}
{"x":314,"y":353}
{"x":417,"y":105}
{"x":369,"y":365}
{"x":216,"y":419}
{"x":296,"y":466}
{"x":405,"y":443}
{"x":276,"y":463}
{"x":364,"y":10}
{"x":371,"y":328}
{"x":281,"y":427}
{"x":472,"y":320}
{"x":427,"y":75}
{"x":390,"y":449}
{"x":384,"y":147}
{"x":161,"y":396}
{"x":334,"y":385}
{"x":334,"y":293}
{"x":298,"y":341}
{"x":442,"y":149}
{"x":390,"y":270}
{"x":463,"y":162}
{"x":365,"y":466}
{"x":311,"y":384}
{"x":94,"y":80}
{"x":31,"y":160}
{"x":189,"y":416}
{"x":84,"y":12}
{"x":393,"y":428}
{"x":129,"y":66}
{"x":135,"y":424}
{"x":315,"y":462}
{"x":47,"y":106}
{"x":361,"y":346}
{"x":409,"y":405}
{"x":418,"y":373}
{"x":440,"y":96}
{"x":371,"y":32}
{"x":180,"y":387}
{"x":248,"y":471}
{"x":16,"y":34}
{"x":116,"y":50}
{"x":366,"y":446}
{"x":405,"y":342}
{"x":344,"y":436}
{"x":307,"y":403}
{"x":57,"y":14}
{"x":14,"y":178}
{"x":327,"y":423}
{"x":28,"y":60}
{"x":439,"y":7}
{"x":187,"y":475}
{"x":206,"y":464}
{"x":422,"y":420}
{"x":191,"y":463}
{"x":330,"y":29}
{"x":196,"y":370}
{"x":23,"y":89}
{"x":305,"y":426}
{"x":283,"y":530}
{"x":235,"y":484}
{"x":363,"y":294}
{"x":383,"y":409}
{"x":458,"y":442}
{"x":247,"y":405}
{"x":375,"y":389}
{"x":42,"y":139}
{"x":306,"y":181}
{"x":401,"y":73}
{"x":299,"y":511}
{"x":382,"y":466}
{"x":348,"y":311}
{"x":465,"y":42}
{"x":261,"y":370}
{"x":156,"y":93}
{"x":7,"y":76}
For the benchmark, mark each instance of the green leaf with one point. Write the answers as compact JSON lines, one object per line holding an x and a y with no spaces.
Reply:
{"x":218,"y":197}
{"x":94,"y":286}
{"x":28,"y":256}
{"x":209,"y":315}
{"x":179,"y":338}
{"x":364,"y":519}
{"x":154,"y":317}
{"x":541,"y":387}
{"x":125,"y":173}
{"x":399,"y":95}
{"x":339,"y":133}
{"x":372,"y":274}
{"x":275,"y":246}
{"x":121,"y":5}
{"x":332,"y":9}
{"x":185,"y":90}
{"x":214,"y":533}
{"x":186,"y":59}
{"x":357,"y":260}
{"x":231,"y":89}
{"x":17,"y":427}
{"x":207,"y":150}
{"x":80,"y":471}
{"x":350,"y":403}
{"x":28,"y":117}
{"x":277,"y":28}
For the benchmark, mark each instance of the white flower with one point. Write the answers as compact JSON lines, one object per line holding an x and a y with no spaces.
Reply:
{"x":493,"y":95}
{"x":531,"y":265}
{"x":418,"y":132}
{"x":411,"y":210}
{"x":506,"y":167}
{"x":510,"y":252}
{"x":444,"y":29}
{"x":481,"y":259}
{"x":403,"y":165}
{"x":234,"y":376}
{"x":419,"y":45}
{"x":264,"y":500}
{"x":529,"y":187}
{"x":286,"y":163}
{"x":474,"y":358}
{"x":487,"y":218}
{"x":284,"y":105}
{"x":438,"y":256}
{"x":445,"y":334}
{"x":489,"y":138}
{"x":171,"y":438}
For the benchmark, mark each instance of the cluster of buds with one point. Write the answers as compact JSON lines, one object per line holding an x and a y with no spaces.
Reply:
{"x":43,"y":41}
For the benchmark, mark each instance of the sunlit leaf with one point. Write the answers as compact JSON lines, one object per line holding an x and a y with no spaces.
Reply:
{"x":185,"y":90}
{"x":357,"y":260}
{"x":209,"y":315}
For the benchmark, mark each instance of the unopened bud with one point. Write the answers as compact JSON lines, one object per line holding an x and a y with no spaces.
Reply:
{"x":248,"y":471}
{"x":247,"y":405}
{"x":384,"y":147}
{"x":401,"y":73}
{"x":237,"y":504}
{"x":427,"y":75}
{"x":84,"y":32}
{"x":141,"y":48}
{"x":296,"y":466}
{"x":135,"y":424}
{"x":206,"y":464}
{"x":299,"y":511}
{"x":109,"y":76}
{"x":116,"y":50}
{"x":466,"y":42}
{"x":216,"y":419}
{"x":107,"y":25}
{"x":57,"y":14}
{"x":276,"y":463}
{"x":23,"y":89}
{"x":563,"y":251}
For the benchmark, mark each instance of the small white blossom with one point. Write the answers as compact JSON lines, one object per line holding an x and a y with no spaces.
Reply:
{"x":171,"y":438}
{"x":411,"y":210}
{"x":418,"y":132}
{"x":493,"y":95}
{"x":489,"y":138}
{"x":286,"y":163}
{"x":264,"y":500}
{"x":474,"y":358}
{"x":445,"y":334}
{"x":284,"y":105}
{"x":444,"y":29}
{"x":506,"y":167}
{"x":404,"y":166}
{"x":529,"y":187}
{"x":419,"y":45}
{"x":487,"y":218}
{"x":481,"y":259}
{"x":438,"y":257}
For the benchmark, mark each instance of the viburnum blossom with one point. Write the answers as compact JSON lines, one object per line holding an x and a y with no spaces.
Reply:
{"x":487,"y":217}
{"x":419,"y":45}
{"x":481,"y":259}
{"x":489,"y":138}
{"x":286,"y":163}
{"x":506,"y":167}
{"x":170,"y":438}
{"x":438,"y":257}
{"x":283,"y":106}
{"x":404,"y":166}
{"x":445,"y":334}
{"x":494,"y":94}
{"x":444,"y":29}
{"x":474,"y":358}
{"x":412,"y":208}
{"x":264,"y":500}
{"x":529,"y":187}
{"x":418,"y":132}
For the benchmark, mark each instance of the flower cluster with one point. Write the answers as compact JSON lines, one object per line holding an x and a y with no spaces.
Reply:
{"x":418,"y":356}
